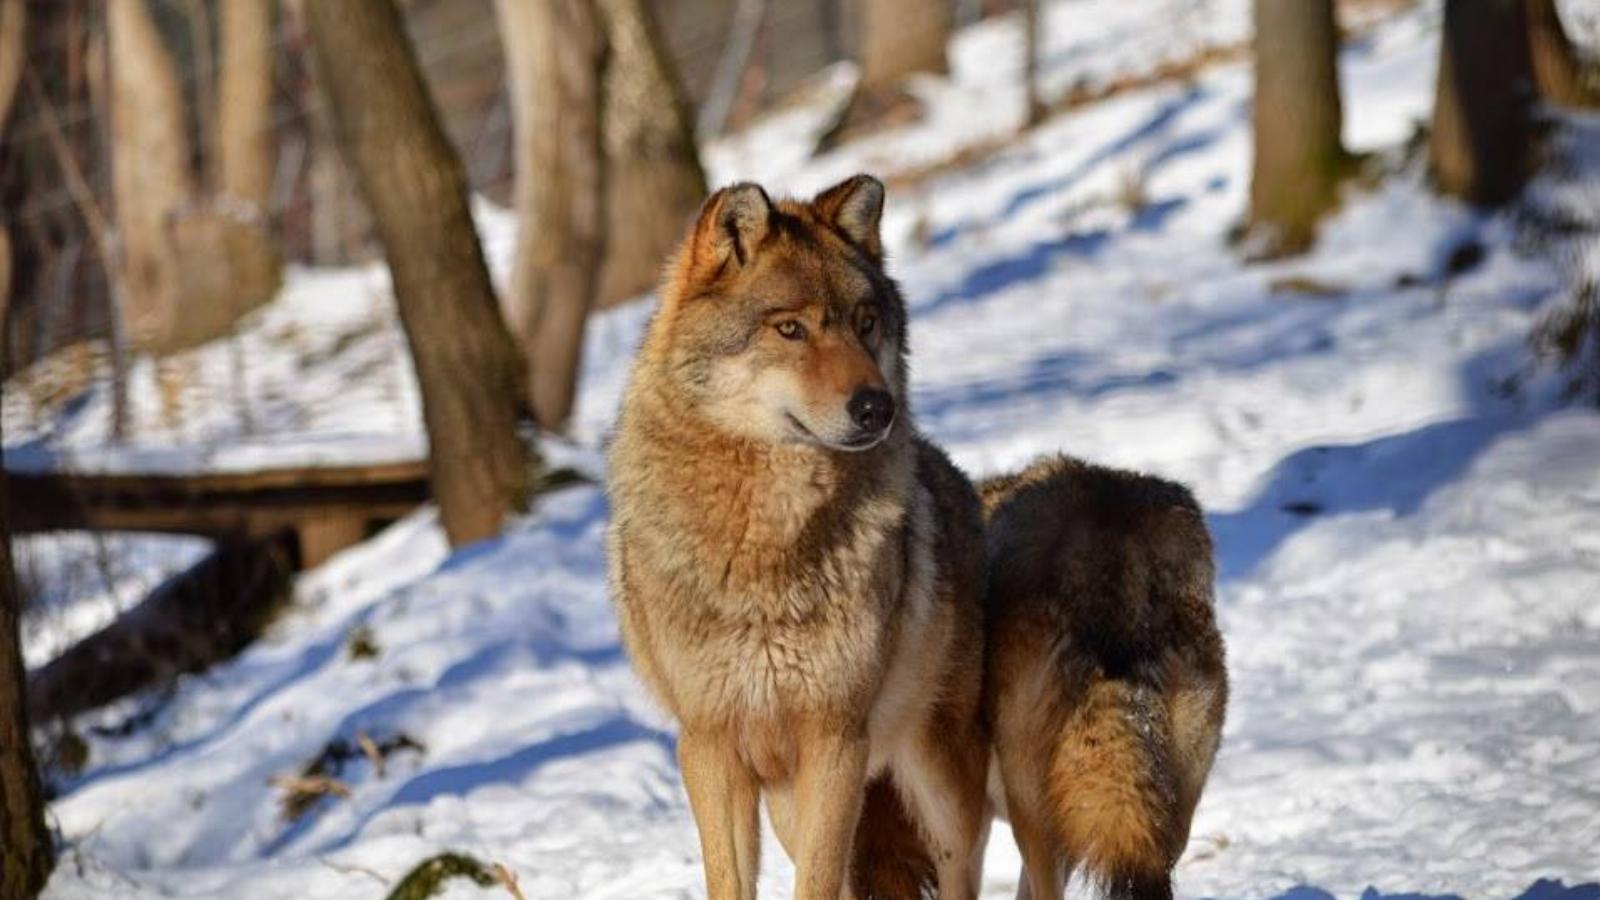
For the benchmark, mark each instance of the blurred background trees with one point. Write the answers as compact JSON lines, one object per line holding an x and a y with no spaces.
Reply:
{"x":166,"y":157}
{"x":1559,"y":70}
{"x":1299,"y":151}
{"x":195,"y":250}
{"x":1482,"y":130}
{"x":556,"y":64}
{"x":413,"y":184}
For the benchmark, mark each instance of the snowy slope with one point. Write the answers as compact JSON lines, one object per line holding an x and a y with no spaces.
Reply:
{"x":1409,"y":550}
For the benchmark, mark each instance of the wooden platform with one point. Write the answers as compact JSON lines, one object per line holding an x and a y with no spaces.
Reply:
{"x":326,"y":508}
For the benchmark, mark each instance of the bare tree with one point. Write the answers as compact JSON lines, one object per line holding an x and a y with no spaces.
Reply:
{"x":749,"y":16}
{"x":1299,"y":157}
{"x":1482,"y":128}
{"x":192,"y":261}
{"x":13,"y":30}
{"x":1031,"y":22}
{"x":413,"y":184}
{"x":151,"y":181}
{"x":26,"y":852}
{"x":653,"y":179}
{"x":1561,"y":76}
{"x":897,"y":38}
{"x":555,"y":59}
{"x":246,"y":151}
{"x":900,"y":38}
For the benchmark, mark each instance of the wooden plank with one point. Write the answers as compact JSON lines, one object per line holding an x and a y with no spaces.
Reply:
{"x":214,"y":504}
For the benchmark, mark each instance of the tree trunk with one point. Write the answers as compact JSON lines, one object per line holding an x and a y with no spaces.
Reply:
{"x":26,"y":852}
{"x":1482,"y":127}
{"x":1031,"y":14}
{"x":1299,"y":158}
{"x":555,"y":56}
{"x":896,"y":39}
{"x":653,"y":179}
{"x":412,"y":180}
{"x":192,"y":264}
{"x":1557,"y":70}
{"x":245,"y":144}
{"x":13,"y":30}
{"x":151,"y":181}
{"x":748,"y":18}
{"x":902,"y":37}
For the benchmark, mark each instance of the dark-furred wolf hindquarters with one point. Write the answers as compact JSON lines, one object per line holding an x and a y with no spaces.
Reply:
{"x":1105,"y":681}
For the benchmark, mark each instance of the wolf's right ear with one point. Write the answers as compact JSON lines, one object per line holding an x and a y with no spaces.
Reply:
{"x":733,"y":223}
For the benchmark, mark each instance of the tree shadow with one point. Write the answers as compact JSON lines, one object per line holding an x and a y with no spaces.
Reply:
{"x":1157,"y":124}
{"x":1032,"y":263}
{"x":1395,"y":473}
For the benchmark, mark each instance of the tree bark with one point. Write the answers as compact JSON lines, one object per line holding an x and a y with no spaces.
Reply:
{"x":1557,"y":69}
{"x":412,"y":180}
{"x":1031,"y":14}
{"x":555,"y":59}
{"x":26,"y":852}
{"x":653,"y":179}
{"x":902,"y":37}
{"x":192,"y":263}
{"x":13,"y":41}
{"x":13,"y":31}
{"x":896,"y":39}
{"x":1482,"y":126}
{"x":151,"y":181}
{"x":1299,"y":157}
{"x":749,"y":16}
{"x":246,"y":148}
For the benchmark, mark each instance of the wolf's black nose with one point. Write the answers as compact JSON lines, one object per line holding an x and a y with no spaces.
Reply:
{"x":871,"y":409}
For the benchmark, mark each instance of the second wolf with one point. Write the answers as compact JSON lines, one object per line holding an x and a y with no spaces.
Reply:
{"x":1106,"y":685}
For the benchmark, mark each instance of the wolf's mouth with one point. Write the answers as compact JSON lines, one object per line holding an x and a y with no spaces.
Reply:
{"x":854,"y":445}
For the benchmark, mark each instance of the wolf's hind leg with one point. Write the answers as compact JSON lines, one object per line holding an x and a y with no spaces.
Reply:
{"x":943,"y":779}
{"x":1044,"y":868}
{"x":725,"y":797}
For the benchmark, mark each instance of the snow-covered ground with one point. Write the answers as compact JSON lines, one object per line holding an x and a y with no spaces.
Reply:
{"x":1408,"y":522}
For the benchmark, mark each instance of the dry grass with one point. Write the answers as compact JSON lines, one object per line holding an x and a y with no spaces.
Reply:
{"x":319,"y":777}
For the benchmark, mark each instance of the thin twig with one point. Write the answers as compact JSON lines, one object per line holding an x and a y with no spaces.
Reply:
{"x":352,"y":869}
{"x":508,"y":880}
{"x":312,"y":784}
{"x":374,"y":755}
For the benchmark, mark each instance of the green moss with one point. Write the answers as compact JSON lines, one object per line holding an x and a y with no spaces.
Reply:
{"x":425,"y":879}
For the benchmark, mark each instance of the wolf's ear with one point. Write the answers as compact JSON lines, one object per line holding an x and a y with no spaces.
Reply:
{"x":855,"y":206}
{"x":733,"y":222}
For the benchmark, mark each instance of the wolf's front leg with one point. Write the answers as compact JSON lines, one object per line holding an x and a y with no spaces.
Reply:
{"x":725,"y":797}
{"x":827,"y":797}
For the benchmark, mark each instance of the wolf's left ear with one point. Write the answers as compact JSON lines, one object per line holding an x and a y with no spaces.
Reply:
{"x":855,"y":206}
{"x":733,"y":223}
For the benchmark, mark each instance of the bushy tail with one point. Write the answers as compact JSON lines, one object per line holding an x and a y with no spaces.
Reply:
{"x":1115,"y":792}
{"x":891,"y":861}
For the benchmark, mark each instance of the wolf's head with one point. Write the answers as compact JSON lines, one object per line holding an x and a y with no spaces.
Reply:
{"x":778,"y":322}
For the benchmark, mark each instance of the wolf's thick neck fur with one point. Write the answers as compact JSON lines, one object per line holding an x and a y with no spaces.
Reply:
{"x":757,"y":513}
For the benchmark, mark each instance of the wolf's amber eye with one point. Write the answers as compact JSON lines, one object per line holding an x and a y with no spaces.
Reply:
{"x":791,"y":330}
{"x":868,"y":322}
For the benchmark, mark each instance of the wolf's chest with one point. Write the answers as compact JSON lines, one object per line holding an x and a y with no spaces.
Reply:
{"x":752,"y":666}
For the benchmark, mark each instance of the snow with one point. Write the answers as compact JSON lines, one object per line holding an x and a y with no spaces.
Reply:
{"x":75,"y":583}
{"x":1409,"y":549}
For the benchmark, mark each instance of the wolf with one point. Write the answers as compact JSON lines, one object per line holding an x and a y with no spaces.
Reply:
{"x":1106,"y":682}
{"x":798,"y":574}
